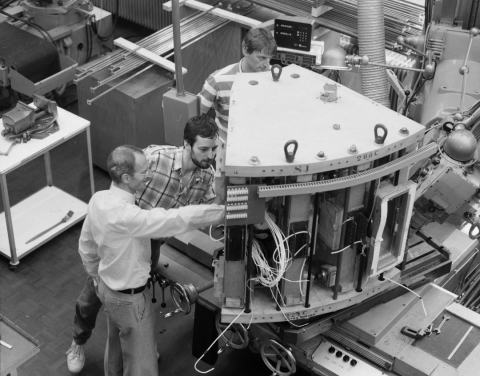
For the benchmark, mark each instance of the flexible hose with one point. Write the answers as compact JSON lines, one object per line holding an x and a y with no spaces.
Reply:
{"x":371,"y":40}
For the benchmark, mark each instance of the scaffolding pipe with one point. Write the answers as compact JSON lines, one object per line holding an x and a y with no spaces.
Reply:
{"x":177,"y":47}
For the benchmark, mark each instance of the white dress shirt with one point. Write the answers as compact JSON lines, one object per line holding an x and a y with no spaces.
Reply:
{"x":115,"y":239}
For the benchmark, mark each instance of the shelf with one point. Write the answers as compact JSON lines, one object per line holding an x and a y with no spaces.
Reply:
{"x":37,"y":213}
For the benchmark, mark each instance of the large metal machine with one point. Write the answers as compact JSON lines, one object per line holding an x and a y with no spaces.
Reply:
{"x":337,"y":204}
{"x":44,"y":41}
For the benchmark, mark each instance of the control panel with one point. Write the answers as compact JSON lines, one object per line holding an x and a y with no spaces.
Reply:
{"x":293,"y":32}
{"x":332,"y":360}
{"x":243,"y":206}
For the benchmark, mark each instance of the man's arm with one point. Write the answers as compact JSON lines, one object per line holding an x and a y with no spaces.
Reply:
{"x":88,"y":249}
{"x":208,"y":95}
{"x":161,"y":223}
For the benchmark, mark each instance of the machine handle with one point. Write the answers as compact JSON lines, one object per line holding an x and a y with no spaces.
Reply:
{"x":471,"y":232}
{"x":474,"y":232}
{"x":379,"y":140}
{"x":204,"y":287}
{"x":276,"y":71}
{"x":290,"y":156}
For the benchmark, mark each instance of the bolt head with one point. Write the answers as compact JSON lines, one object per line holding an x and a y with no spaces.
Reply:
{"x":463,"y":70}
{"x":254,"y":160}
{"x":404,"y":131}
{"x":429,"y":68}
{"x":353,"y":149}
{"x":336,"y":126}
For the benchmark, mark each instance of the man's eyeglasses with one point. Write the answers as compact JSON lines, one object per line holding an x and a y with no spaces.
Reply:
{"x":146,"y":176}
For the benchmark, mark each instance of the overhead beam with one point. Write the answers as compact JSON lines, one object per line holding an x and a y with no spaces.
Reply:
{"x":147,"y":55}
{"x":246,"y":21}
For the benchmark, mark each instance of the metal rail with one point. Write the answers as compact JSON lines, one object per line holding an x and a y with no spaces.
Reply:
{"x":350,"y":180}
{"x":192,"y":28}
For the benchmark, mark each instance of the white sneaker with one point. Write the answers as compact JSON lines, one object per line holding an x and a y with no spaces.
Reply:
{"x":75,"y":357}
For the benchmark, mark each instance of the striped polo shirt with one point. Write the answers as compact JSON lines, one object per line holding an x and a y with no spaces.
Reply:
{"x":216,"y":93}
{"x":165,"y":190}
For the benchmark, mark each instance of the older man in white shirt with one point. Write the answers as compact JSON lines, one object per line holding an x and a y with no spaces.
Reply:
{"x":115,"y":250}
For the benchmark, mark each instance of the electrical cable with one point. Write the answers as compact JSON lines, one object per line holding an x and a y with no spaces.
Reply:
{"x":89,"y":43}
{"x":40,"y":29}
{"x":344,"y":249}
{"x":7,"y":3}
{"x":281,"y":310}
{"x":410,"y":100}
{"x":215,"y":240}
{"x":221,"y":334}
{"x":114,"y":25}
{"x":413,"y":292}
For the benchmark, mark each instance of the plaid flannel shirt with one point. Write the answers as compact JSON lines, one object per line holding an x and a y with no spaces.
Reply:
{"x":165,"y":190}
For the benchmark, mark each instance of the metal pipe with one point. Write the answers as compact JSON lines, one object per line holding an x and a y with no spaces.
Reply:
{"x":464,"y":72}
{"x":360,"y":271}
{"x":249,"y":268}
{"x":342,"y":243}
{"x":177,"y":43}
{"x":473,"y":14}
{"x":313,"y":244}
{"x":89,"y":101}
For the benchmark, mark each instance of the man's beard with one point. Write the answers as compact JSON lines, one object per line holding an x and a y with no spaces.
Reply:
{"x":204,"y":164}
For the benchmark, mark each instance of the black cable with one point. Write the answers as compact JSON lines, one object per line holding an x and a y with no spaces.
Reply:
{"x":7,"y":3}
{"x":89,"y":43}
{"x":415,"y":93}
{"x":40,"y":29}
{"x":115,"y":18}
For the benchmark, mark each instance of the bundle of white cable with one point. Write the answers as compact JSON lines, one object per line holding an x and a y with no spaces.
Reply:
{"x":269,"y":276}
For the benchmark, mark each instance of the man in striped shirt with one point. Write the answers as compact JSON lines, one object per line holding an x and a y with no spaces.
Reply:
{"x":258,"y":47}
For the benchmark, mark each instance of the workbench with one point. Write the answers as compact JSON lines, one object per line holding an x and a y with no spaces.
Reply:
{"x":47,"y":207}
{"x":17,"y":347}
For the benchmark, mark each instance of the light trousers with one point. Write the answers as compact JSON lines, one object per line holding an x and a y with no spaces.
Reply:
{"x":131,"y":345}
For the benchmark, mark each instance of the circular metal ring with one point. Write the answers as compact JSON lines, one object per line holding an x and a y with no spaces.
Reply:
{"x":182,"y":302}
{"x":236,"y":336}
{"x":475,"y":226}
{"x":277,"y":358}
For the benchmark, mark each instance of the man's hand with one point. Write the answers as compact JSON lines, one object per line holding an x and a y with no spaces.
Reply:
{"x":218,"y":200}
{"x":96,"y":282}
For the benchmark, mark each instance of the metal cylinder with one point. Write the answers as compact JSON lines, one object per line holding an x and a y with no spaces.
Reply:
{"x":371,"y":40}
{"x":177,"y":47}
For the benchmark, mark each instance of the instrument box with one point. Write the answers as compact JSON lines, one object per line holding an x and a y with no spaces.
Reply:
{"x":293,"y":32}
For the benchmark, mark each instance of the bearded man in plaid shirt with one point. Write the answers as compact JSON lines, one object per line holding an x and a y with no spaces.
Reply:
{"x":181,"y":176}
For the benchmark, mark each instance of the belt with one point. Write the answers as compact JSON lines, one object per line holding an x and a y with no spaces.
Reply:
{"x":133,"y":291}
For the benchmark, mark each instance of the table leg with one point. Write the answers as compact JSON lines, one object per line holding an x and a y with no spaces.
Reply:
{"x":8,"y":217}
{"x":48,"y":169}
{"x":90,"y":165}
